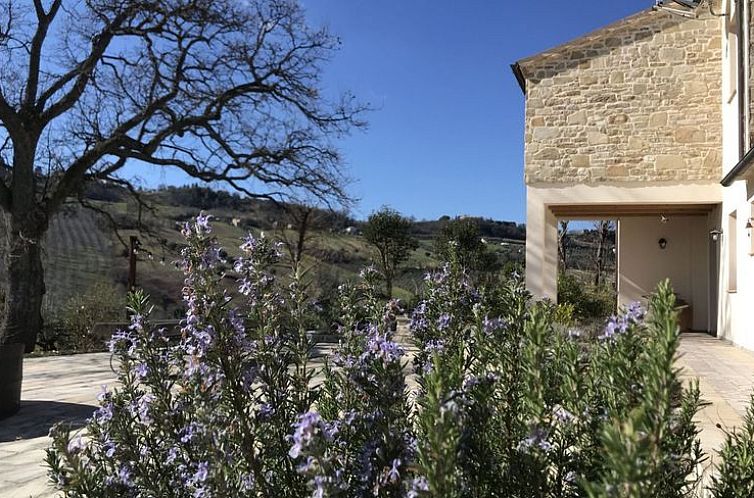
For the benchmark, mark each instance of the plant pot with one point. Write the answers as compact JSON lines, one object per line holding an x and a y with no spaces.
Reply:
{"x":11,"y":374}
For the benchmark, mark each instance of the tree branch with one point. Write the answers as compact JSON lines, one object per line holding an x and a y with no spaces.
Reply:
{"x":82,"y":74}
{"x":35,"y":55}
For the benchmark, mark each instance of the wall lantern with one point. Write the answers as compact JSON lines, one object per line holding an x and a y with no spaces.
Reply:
{"x":749,"y":226}
{"x":663,"y":243}
{"x":715,"y":234}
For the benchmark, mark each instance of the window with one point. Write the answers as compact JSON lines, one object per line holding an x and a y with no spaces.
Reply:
{"x":732,"y":253}
{"x":750,"y":229}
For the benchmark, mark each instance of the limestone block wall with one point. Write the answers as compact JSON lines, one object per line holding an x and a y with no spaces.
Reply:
{"x":750,"y":22}
{"x":637,"y":101}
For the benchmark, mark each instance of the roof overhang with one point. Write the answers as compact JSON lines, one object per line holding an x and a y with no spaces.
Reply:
{"x":622,"y":210}
{"x":739,"y":170}
{"x":519,"y":74}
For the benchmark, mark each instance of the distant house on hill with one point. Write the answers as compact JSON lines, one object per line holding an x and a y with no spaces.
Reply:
{"x":648,"y":121}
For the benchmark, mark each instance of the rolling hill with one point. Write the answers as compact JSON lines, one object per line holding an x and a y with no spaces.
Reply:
{"x":82,"y":249}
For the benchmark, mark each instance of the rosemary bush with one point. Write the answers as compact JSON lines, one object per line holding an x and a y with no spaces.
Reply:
{"x":491,"y":396}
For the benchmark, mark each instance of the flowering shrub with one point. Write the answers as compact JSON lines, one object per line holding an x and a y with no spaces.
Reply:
{"x":491,"y":397}
{"x":212,"y":416}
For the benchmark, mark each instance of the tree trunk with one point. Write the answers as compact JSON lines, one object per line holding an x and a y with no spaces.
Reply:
{"x":389,"y":285}
{"x":562,"y":241}
{"x":25,"y":287}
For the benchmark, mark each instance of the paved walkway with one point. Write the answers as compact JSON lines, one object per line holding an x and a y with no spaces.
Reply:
{"x":726,"y":379}
{"x":55,"y":388}
{"x":65,"y":388}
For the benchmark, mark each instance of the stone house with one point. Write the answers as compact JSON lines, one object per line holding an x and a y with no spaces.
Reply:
{"x":648,"y":121}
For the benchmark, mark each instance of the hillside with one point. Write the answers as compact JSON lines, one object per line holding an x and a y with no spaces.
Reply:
{"x":82,"y":249}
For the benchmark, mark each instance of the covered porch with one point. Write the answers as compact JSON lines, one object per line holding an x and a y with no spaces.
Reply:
{"x":655,"y":239}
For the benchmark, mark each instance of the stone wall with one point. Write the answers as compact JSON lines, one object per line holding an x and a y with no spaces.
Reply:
{"x":749,"y":21}
{"x":636,"y":101}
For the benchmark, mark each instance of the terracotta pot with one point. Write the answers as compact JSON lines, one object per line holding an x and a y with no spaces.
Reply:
{"x":11,"y":374}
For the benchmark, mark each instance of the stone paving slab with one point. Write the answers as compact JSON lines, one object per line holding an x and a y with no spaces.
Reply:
{"x":55,"y":389}
{"x":66,"y":388}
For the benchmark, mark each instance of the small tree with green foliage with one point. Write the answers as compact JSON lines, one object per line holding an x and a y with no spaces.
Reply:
{"x":469,"y":250}
{"x":390,"y":234}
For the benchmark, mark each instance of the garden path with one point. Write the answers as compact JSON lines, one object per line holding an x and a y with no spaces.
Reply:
{"x":726,"y":379}
{"x":66,"y":387}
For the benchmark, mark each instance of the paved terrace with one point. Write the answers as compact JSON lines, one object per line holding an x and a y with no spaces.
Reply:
{"x":66,"y":388}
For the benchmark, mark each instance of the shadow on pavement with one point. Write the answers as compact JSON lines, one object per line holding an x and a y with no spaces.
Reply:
{"x":35,"y":418}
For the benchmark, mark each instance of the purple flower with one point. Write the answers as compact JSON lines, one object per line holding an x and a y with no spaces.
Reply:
{"x":393,"y":475}
{"x":444,"y":321}
{"x":201,"y":473}
{"x":141,"y":370}
{"x":248,"y":482}
{"x":266,"y":411}
{"x":202,"y":223}
{"x":307,"y":466}
{"x":379,"y":346}
{"x":536,"y":439}
{"x":418,"y":484}
{"x":245,"y":288}
{"x":250,"y":243}
{"x":120,"y":340}
{"x":189,"y":432}
{"x":304,"y":432}
{"x":635,"y":312}
{"x":615,"y":325}
{"x":434,"y":346}
{"x":319,"y":487}
{"x":141,"y":408}
{"x":470,"y":382}
{"x":76,"y":445}
{"x":125,"y":476}
{"x":104,"y":413}
{"x":109,"y":448}
{"x":419,"y":321}
{"x":492,"y":325}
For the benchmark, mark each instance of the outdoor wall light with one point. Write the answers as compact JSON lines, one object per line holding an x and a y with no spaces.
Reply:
{"x":715,"y":234}
{"x":749,"y":226}
{"x":663,"y":243}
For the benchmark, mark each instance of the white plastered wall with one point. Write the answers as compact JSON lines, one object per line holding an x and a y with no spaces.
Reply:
{"x":684,"y":260}
{"x":736,"y":301}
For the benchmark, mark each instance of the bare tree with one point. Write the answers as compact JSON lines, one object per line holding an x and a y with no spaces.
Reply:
{"x":563,"y":245}
{"x":298,"y":235}
{"x":603,"y":229}
{"x":222,"y":90}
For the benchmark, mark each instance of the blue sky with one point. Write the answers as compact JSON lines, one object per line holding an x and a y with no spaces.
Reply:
{"x":447,"y":135}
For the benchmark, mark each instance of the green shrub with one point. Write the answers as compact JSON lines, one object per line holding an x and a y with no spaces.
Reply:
{"x":589,"y":302}
{"x":70,"y":328}
{"x":509,"y":402}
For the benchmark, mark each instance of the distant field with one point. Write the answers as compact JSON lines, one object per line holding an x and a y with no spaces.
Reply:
{"x":81,"y":250}
{"x":78,"y":253}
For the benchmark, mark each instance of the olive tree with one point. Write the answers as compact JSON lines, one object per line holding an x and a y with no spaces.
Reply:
{"x":390,"y":234}
{"x":221,"y":90}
